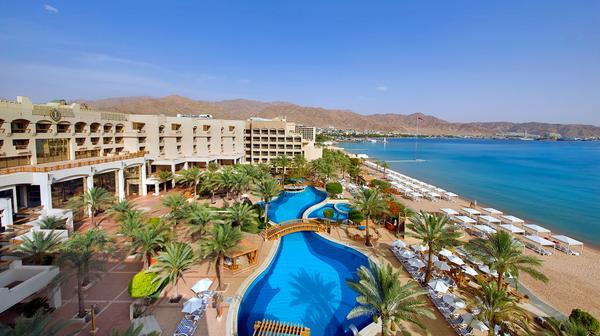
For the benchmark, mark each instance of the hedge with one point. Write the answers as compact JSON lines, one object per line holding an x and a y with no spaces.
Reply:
{"x":328,"y":213}
{"x":334,"y":188}
{"x":355,"y":216}
{"x":142,"y":285}
{"x":381,"y":184}
{"x":585,"y":319}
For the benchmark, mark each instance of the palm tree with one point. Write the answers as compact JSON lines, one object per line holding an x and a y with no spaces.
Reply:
{"x":40,"y":246}
{"x":404,"y":213}
{"x":354,"y":172}
{"x":130,"y":222}
{"x":300,"y":166}
{"x":385,"y":167}
{"x":381,"y":295}
{"x":40,"y":324}
{"x":505,"y":255}
{"x":324,"y":169}
{"x":178,"y":205}
{"x":370,"y":203}
{"x":213,"y":166}
{"x":132,"y":330}
{"x":497,"y":307}
{"x":225,"y":180}
{"x":172,"y":263}
{"x":52,"y":223}
{"x":223,"y":240}
{"x":149,"y":239}
{"x":242,"y":215}
{"x":436,"y":232}
{"x":240,"y":182}
{"x":211,"y":184}
{"x":95,"y":199}
{"x":566,"y":327}
{"x":120,"y":208}
{"x":81,"y":252}
{"x":267,"y":189}
{"x":282,"y":161}
{"x":165,"y":176}
{"x":192,"y":178}
{"x":199,"y":219}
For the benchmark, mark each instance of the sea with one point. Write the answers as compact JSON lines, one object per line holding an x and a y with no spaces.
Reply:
{"x":555,"y":184}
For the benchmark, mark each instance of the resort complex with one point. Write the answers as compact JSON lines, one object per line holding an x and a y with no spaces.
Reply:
{"x":189,"y":225}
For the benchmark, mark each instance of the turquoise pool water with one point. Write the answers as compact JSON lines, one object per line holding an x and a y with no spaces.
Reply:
{"x":337,"y":215}
{"x":291,"y":205}
{"x":305,"y":283}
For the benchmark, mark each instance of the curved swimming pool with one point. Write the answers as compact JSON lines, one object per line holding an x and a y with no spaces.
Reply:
{"x":336,"y":207}
{"x":291,"y":205}
{"x":305,"y":283}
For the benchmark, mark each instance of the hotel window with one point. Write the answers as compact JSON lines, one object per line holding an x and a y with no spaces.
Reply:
{"x":206,"y":128}
{"x":52,"y":150}
{"x":175,"y":127}
{"x":94,"y":127}
{"x":161,"y":129}
{"x":119,"y":128}
{"x":80,"y":127}
{"x":231,"y":128}
{"x":94,"y":141}
{"x":21,"y":144}
{"x":107,"y":128}
{"x":62,"y":127}
{"x":19,"y":126}
{"x":138,"y":127}
{"x":63,"y":191}
{"x":14,"y":161}
{"x":86,"y":154}
{"x":80,"y":141}
{"x":43,"y":126}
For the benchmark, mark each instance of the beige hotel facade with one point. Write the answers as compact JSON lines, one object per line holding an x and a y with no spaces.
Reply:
{"x":52,"y":152}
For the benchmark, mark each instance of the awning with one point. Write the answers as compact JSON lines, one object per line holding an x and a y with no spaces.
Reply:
{"x":492,"y":211}
{"x":512,"y":219}
{"x":512,"y":228}
{"x":567,"y":240}
{"x":540,"y":240}
{"x":536,"y":228}
{"x":449,"y":212}
{"x":489,"y":219}
{"x":471,"y":211}
{"x":465,"y":219}
{"x":484,"y":228}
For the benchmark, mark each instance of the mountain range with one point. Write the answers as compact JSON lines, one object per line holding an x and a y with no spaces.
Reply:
{"x":340,"y":119}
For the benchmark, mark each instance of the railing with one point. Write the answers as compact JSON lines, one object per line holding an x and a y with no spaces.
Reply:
{"x":278,"y":328}
{"x":61,"y":165}
{"x":292,"y":226}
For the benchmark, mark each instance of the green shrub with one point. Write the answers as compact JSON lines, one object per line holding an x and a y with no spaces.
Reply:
{"x":154,"y":220}
{"x":142,"y":285}
{"x":334,"y":188}
{"x":355,"y":216}
{"x":328,"y":213}
{"x":585,"y":319}
{"x":381,"y":184}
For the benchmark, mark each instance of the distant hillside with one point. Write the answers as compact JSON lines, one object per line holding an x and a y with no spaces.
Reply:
{"x":342,"y":119}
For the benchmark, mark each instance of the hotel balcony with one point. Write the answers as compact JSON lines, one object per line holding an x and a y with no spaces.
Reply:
{"x":51,"y":166}
{"x":18,"y":282}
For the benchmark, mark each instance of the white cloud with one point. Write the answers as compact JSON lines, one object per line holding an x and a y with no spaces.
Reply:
{"x":50,"y":9}
{"x":381,"y":88}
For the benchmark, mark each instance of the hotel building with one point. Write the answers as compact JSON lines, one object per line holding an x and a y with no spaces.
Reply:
{"x":52,"y":152}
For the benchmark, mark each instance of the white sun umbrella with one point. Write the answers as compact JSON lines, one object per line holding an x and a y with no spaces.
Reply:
{"x":398,"y":244}
{"x":485,"y":269}
{"x":441,"y":265}
{"x":471,"y":211}
{"x":416,"y":262}
{"x":407,"y":254}
{"x":467,"y":318}
{"x":438,"y":286}
{"x":419,"y":248}
{"x":492,"y":211}
{"x":456,"y":260}
{"x":478,"y":325}
{"x":470,"y":271}
{"x":446,"y":253}
{"x":192,"y":305}
{"x":202,"y":285}
{"x":454,"y":301}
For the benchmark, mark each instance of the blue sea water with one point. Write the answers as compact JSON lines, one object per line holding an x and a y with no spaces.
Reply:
{"x":305,"y":283}
{"x":291,"y":205}
{"x":552,"y":184}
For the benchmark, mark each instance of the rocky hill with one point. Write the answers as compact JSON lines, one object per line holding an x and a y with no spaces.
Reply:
{"x":342,"y":119}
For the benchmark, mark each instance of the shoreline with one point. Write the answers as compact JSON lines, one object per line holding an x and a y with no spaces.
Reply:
{"x":572,"y":278}
{"x":588,"y":243}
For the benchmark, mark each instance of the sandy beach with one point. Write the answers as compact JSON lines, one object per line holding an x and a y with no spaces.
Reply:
{"x":574,"y":280}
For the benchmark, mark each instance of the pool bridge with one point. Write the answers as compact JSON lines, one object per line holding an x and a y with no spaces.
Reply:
{"x":292,"y":226}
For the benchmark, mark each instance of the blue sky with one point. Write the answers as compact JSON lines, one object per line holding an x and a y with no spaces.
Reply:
{"x":457,"y":60}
